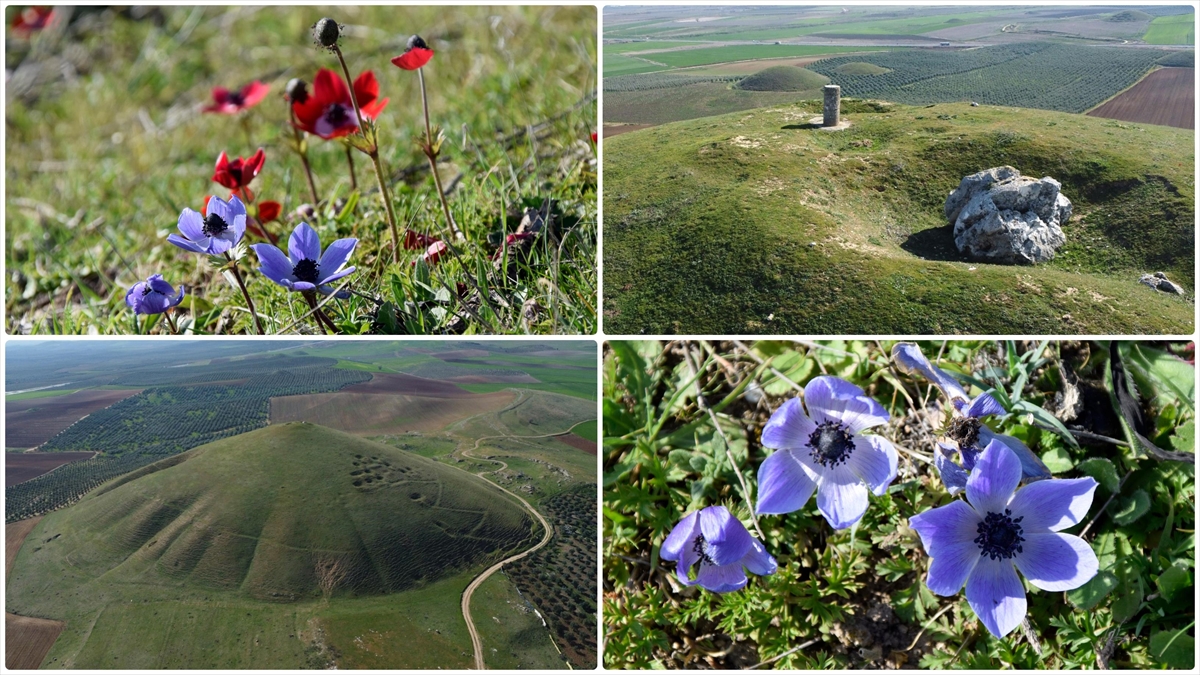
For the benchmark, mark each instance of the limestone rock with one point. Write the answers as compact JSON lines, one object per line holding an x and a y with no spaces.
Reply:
{"x":1000,"y":216}
{"x":1159,"y":281}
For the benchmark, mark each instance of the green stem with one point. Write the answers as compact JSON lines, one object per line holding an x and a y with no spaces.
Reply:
{"x":350,"y":162}
{"x":246,"y":294}
{"x":387,"y":202}
{"x":312,"y":185}
{"x":432,"y":155}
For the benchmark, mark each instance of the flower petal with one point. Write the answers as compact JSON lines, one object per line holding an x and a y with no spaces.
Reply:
{"x":178,"y":298}
{"x":220,"y":207}
{"x":254,"y":93}
{"x":336,"y":275}
{"x":304,"y":244}
{"x":1031,"y":465}
{"x":909,"y":358}
{"x":944,"y":527}
{"x":726,"y":539}
{"x":984,"y":405}
{"x":994,"y":478}
{"x":1053,"y":504}
{"x":995,"y":592}
{"x":153,"y":303}
{"x":134,"y":296}
{"x":336,"y":255}
{"x":758,"y":560}
{"x":273,"y":263}
{"x":789,"y":427}
{"x":680,"y":537}
{"x":722,"y":578}
{"x":188,"y":245}
{"x":874,"y":461}
{"x":783,"y":484}
{"x":329,"y":87}
{"x":191,"y":225}
{"x":366,"y":88}
{"x":834,"y":399}
{"x":954,"y":477}
{"x":1054,"y":561}
{"x":952,"y":567}
{"x":841,"y":497}
{"x":303,"y":286}
{"x":158,"y":285}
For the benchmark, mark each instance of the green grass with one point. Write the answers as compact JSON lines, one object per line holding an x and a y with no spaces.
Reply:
{"x":585,"y":430}
{"x":660,"y":106}
{"x":751,"y":223}
{"x":513,"y":636}
{"x":246,"y":523}
{"x":710,"y":55}
{"x":616,"y":64}
{"x":123,"y":147}
{"x":783,"y":78}
{"x":45,"y":393}
{"x":623,"y":47}
{"x":1179,"y":29}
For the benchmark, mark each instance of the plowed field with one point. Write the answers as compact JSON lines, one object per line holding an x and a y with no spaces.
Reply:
{"x":1166,"y":96}
{"x":34,"y":421}
{"x":579,"y":443}
{"x":400,"y":383}
{"x":22,"y":466}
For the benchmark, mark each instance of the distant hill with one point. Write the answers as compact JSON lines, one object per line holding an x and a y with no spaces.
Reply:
{"x":1129,"y":16}
{"x":280,"y":514}
{"x":783,"y":78}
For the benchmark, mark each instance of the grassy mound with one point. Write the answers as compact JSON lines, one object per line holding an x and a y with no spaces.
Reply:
{"x":1129,"y":16}
{"x":1180,"y":59}
{"x":861,"y":68}
{"x":272,"y":512}
{"x":761,"y":224}
{"x":783,"y":78}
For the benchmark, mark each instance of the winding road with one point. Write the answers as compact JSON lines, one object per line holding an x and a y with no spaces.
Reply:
{"x":476,"y":642}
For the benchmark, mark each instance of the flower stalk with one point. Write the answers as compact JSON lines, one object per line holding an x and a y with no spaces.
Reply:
{"x":237,"y":275}
{"x":432,"y":153}
{"x":303,"y":152}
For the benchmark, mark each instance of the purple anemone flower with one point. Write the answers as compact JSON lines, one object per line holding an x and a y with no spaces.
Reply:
{"x":716,"y":541}
{"x":218,"y":230}
{"x":153,"y":296}
{"x":998,"y":530}
{"x":304,"y":267}
{"x":824,"y":451}
{"x":966,"y":430}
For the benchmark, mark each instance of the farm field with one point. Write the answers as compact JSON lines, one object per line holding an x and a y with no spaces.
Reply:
{"x":845,"y":233}
{"x":374,"y":414}
{"x":1179,"y":29}
{"x":1166,"y":96}
{"x":22,"y":466}
{"x":29,"y":422}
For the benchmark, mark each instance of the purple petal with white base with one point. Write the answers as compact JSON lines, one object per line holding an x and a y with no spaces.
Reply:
{"x":783,"y":483}
{"x":995,"y":592}
{"x":841,"y":497}
{"x":788,"y":427}
{"x":304,"y":244}
{"x":874,"y":461}
{"x":303,"y":267}
{"x":720,"y":545}
{"x":153,"y":296}
{"x":217,"y":231}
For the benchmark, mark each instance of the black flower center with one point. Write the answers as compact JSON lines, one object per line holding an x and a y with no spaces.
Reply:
{"x":146,"y":290}
{"x":831,"y":444}
{"x":1000,"y":535}
{"x":336,"y":114}
{"x":237,"y":99}
{"x":965,"y":431}
{"x":701,"y":548}
{"x":214,"y":225}
{"x":306,"y":270}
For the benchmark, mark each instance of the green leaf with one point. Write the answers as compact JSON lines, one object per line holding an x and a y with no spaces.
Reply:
{"x":1173,"y":580}
{"x":1175,"y":648}
{"x":1131,"y":508}
{"x":1046,"y":420}
{"x":1057,"y":460}
{"x":1103,"y":471}
{"x":1125,"y":606}
{"x":1169,"y":375}
{"x":1184,"y":439}
{"x":1090,"y":594}
{"x":348,"y":209}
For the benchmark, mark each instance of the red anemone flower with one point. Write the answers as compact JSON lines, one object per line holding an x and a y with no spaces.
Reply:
{"x":238,"y":173}
{"x":228,"y":102}
{"x":415,"y":241}
{"x":328,"y":111}
{"x":595,"y":137}
{"x":434,"y":253}
{"x":268,"y":211}
{"x":416,"y":55}
{"x":31,"y":19}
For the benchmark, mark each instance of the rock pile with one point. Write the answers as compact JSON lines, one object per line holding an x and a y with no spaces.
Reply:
{"x":1000,"y":216}
{"x":1159,"y":282}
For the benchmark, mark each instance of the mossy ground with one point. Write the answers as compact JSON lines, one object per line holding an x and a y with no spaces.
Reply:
{"x":756,"y":222}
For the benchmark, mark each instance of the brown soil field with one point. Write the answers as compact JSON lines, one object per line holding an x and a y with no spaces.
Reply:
{"x":523,"y":378}
{"x":1166,"y":96}
{"x":379,"y":413}
{"x":400,"y":383}
{"x":461,"y":354}
{"x":26,"y":640}
{"x":31,"y":422}
{"x":14,"y":536}
{"x":579,"y":443}
{"x":22,"y":466}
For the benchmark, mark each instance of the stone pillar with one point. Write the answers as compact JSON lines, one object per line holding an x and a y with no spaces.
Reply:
{"x":833,"y":105}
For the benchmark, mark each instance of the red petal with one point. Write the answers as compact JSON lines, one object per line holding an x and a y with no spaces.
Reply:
{"x":415,"y":241}
{"x":254,"y":165}
{"x":268,"y":211}
{"x":434,"y":252}
{"x":366,"y":89}
{"x":595,"y":137}
{"x":307,"y":114}
{"x":413,"y":58}
{"x":372,"y":111}
{"x":224,"y":175}
{"x":328,"y":88}
{"x":253,"y":93}
{"x":205,"y":209}
{"x":220,"y":95}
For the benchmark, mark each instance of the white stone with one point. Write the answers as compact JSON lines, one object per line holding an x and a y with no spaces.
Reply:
{"x":1000,"y":216}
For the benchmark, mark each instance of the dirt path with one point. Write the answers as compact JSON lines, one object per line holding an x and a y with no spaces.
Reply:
{"x":476,"y":642}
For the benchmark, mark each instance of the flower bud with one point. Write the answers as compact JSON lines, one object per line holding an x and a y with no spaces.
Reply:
{"x":417,"y":42}
{"x":297,"y":90}
{"x":326,"y":32}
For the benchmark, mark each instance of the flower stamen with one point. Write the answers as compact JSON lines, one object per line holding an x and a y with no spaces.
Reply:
{"x":831,"y":444}
{"x":1000,"y":535}
{"x":306,"y":270}
{"x":214,"y":225}
{"x":965,"y":431}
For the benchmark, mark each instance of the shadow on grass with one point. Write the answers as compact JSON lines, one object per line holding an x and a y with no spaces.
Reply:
{"x":806,"y":125}
{"x":935,"y":243}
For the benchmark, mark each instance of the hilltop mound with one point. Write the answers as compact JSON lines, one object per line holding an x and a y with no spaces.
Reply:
{"x":766,"y":225}
{"x":284,"y":513}
{"x":783,"y":78}
{"x":1129,"y":16}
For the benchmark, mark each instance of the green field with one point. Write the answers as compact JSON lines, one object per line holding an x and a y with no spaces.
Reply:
{"x":512,"y":632}
{"x":616,"y":64}
{"x":623,"y":47}
{"x":585,"y":430}
{"x":685,"y":58}
{"x":252,"y":541}
{"x":1179,"y":29}
{"x":45,"y":393}
{"x":752,"y":223}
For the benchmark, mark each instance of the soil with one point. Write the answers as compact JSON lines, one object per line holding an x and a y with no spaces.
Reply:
{"x":579,"y":443}
{"x":399,"y":383}
{"x":22,"y":466}
{"x":26,"y":640}
{"x":31,"y":422}
{"x":1166,"y":96}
